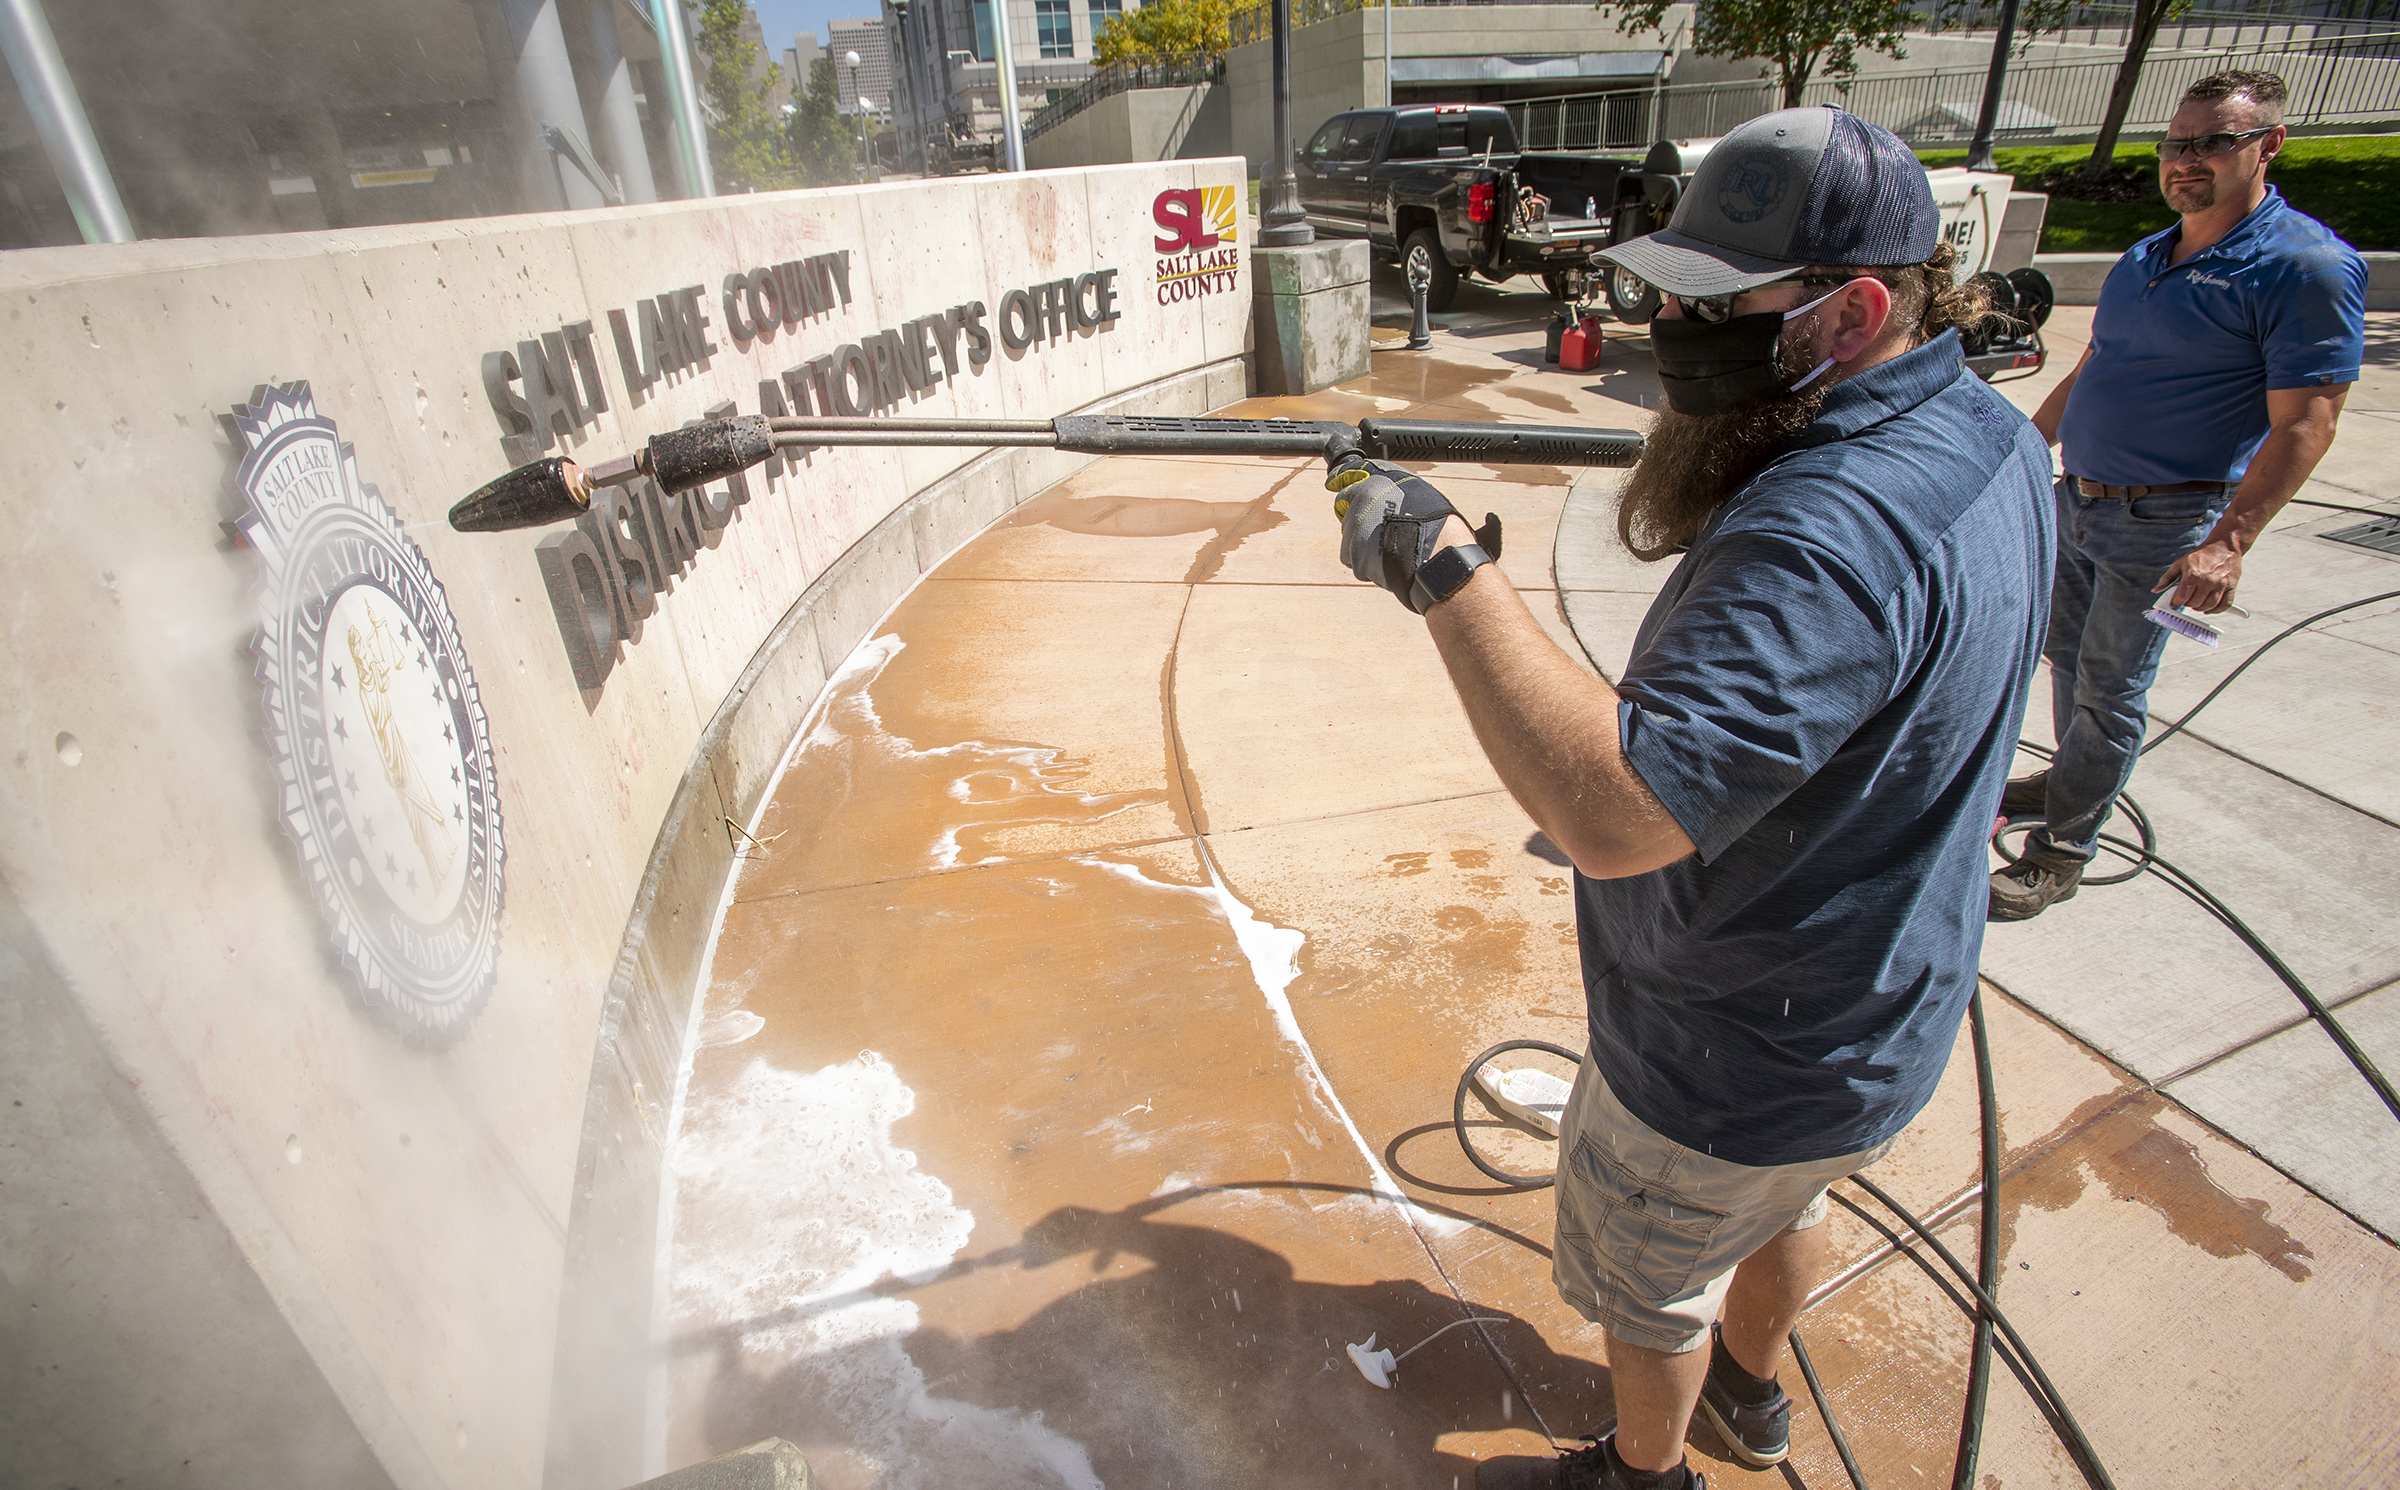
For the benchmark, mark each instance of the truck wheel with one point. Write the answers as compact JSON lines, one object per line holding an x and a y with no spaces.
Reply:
{"x":1424,"y":246}
{"x":1634,"y":299}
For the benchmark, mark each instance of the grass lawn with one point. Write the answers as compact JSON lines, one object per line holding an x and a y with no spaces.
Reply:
{"x":2350,"y":183}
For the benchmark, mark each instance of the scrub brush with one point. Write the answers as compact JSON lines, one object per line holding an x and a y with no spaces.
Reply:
{"x":2183,"y":623}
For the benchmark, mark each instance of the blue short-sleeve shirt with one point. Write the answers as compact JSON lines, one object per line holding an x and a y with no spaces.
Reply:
{"x":1826,"y":695}
{"x":2183,"y":356}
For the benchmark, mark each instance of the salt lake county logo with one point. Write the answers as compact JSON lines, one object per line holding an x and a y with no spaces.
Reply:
{"x":1753,"y":186}
{"x":381,"y":747}
{"x":1217,"y":208}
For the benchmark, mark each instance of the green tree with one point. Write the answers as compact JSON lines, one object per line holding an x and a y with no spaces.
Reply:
{"x":1163,"y":27}
{"x":824,"y":145}
{"x":1795,"y":38}
{"x":2147,"y":16}
{"x":746,"y":141}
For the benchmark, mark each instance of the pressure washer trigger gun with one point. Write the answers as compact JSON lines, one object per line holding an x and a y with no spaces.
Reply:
{"x":1345,"y":467}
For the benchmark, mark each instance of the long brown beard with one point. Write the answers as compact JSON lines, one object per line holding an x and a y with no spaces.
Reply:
{"x":1694,"y":462}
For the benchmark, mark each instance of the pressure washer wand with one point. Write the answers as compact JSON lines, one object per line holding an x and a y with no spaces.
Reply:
{"x":558,"y":488}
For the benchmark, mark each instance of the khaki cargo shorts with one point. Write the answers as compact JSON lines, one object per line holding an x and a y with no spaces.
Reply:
{"x":1649,"y":1232}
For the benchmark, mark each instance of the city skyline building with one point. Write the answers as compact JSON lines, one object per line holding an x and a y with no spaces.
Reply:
{"x":872,"y":78}
{"x":945,"y":100}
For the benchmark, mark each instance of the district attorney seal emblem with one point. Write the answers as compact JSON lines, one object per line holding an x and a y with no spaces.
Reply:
{"x":381,"y":748}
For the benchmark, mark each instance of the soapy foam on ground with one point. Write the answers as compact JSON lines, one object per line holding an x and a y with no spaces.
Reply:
{"x":1274,"y":957}
{"x":793,"y":1202}
{"x":1021,"y":783}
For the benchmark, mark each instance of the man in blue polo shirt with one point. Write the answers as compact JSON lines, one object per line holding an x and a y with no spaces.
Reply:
{"x":2222,"y":350}
{"x":1778,"y":814}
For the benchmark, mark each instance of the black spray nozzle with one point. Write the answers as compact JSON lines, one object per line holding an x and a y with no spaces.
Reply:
{"x":681,"y":459}
{"x":533,"y":496}
{"x":1342,"y":452}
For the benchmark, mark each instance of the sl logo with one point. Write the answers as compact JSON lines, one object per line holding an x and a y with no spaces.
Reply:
{"x":1193,"y":218}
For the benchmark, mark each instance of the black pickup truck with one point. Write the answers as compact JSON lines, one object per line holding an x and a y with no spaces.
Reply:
{"x":1443,"y":185}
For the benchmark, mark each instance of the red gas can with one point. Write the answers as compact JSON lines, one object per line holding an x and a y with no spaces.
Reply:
{"x":1579,"y":349}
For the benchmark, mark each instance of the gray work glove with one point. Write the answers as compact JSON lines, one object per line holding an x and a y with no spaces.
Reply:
{"x":1392,"y":523}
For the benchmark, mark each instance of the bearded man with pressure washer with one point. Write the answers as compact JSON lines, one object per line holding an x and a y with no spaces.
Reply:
{"x":2222,"y":350}
{"x":1778,"y":813}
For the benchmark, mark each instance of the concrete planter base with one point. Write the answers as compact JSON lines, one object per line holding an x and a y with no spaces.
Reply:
{"x":1309,"y":308}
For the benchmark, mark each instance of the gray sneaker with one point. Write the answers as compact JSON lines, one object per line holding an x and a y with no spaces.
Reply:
{"x":2031,"y":886}
{"x":1759,"y":1436}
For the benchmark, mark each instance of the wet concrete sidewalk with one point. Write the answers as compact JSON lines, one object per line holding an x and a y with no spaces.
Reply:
{"x":1076,"y":1077}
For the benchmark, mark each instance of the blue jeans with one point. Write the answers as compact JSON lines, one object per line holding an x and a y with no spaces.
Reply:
{"x":2102,"y":652}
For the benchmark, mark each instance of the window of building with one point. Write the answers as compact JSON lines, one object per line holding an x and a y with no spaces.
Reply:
{"x":1054,"y":26}
{"x":986,"y":49}
{"x":1102,"y":12}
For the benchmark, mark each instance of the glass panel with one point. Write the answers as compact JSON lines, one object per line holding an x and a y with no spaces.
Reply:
{"x":985,"y":49}
{"x":1327,"y":139}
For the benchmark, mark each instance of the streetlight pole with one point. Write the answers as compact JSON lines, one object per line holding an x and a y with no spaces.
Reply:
{"x":850,"y":60}
{"x":1283,"y":222}
{"x":1979,"y":152}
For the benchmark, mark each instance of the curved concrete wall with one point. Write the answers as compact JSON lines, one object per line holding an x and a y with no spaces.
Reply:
{"x":455,"y":1228}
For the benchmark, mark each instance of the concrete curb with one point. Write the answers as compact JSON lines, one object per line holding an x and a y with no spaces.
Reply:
{"x":2078,"y":276}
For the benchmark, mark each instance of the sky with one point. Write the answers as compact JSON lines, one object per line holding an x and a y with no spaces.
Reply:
{"x":781,"y":20}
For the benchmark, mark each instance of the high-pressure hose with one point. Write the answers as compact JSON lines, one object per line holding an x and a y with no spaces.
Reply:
{"x":1995,"y":1336}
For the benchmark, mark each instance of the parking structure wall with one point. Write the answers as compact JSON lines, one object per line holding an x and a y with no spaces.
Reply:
{"x":1338,"y":64}
{"x":1185,"y":123}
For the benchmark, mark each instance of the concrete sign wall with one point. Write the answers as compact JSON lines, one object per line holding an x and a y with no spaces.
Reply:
{"x":378,"y":866}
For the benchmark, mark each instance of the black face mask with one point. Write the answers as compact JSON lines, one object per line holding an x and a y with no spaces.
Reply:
{"x":1723,"y":366}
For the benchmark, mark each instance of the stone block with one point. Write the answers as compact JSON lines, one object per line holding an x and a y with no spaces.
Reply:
{"x":1309,"y":309}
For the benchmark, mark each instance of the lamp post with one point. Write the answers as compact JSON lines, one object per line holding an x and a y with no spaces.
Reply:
{"x":850,"y":60}
{"x":1979,"y":150}
{"x":1283,"y":223}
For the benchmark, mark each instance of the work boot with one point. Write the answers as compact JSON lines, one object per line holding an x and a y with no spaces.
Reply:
{"x":2026,"y":799}
{"x":1753,"y":1417}
{"x":1592,"y":1467}
{"x":2032,"y":885}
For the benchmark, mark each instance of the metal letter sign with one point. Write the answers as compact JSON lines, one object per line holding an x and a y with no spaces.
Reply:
{"x":381,"y":747}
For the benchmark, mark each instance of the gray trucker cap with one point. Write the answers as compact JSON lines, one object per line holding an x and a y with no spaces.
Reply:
{"x":1784,"y":191}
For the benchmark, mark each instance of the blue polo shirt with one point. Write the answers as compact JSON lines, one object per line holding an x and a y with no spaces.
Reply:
{"x":1826,"y":696}
{"x":2183,"y":357}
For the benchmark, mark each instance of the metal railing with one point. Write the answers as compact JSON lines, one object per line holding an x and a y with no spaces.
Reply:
{"x":1168,"y":70}
{"x":2330,"y":81}
{"x":2225,"y":23}
{"x":1256,"y":22}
